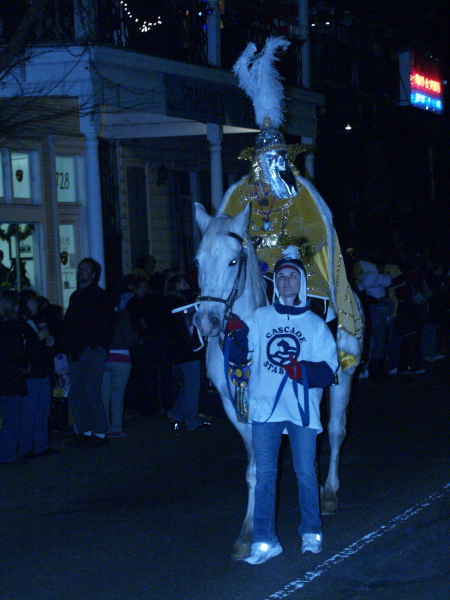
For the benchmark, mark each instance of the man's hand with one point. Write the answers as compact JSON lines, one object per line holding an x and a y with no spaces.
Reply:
{"x":294,"y":368}
{"x":43,"y":334}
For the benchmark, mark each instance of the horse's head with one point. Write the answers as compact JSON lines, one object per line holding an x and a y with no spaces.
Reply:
{"x":222,"y":267}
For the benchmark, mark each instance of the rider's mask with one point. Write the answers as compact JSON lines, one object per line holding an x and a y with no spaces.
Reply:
{"x":278,"y":174}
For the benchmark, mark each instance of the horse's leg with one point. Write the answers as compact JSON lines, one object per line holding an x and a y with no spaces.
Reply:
{"x":339,"y":397}
{"x":243,"y":544}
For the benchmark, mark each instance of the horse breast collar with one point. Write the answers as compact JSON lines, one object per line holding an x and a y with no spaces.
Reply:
{"x":233,"y":294}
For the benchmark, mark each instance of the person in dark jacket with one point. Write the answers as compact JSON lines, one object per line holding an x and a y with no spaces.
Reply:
{"x":89,"y":325}
{"x":117,"y":372}
{"x":147,"y":357}
{"x":186,"y":367}
{"x":33,"y":436}
{"x":12,"y":376}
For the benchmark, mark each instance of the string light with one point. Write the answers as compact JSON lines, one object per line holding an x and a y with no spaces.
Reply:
{"x":143,"y":26}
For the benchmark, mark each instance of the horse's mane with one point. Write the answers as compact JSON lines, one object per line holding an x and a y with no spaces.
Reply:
{"x":220,"y":226}
{"x":254,"y":275}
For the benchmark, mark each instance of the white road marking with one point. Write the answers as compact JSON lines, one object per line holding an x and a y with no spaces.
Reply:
{"x":296,"y":585}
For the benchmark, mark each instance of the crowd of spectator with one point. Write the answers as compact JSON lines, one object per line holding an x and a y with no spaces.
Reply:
{"x":133,"y":350}
{"x":406,"y":301}
{"x":111,"y":353}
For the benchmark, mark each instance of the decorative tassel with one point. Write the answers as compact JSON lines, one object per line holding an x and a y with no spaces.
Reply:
{"x":241,"y":402}
{"x":240,"y":376}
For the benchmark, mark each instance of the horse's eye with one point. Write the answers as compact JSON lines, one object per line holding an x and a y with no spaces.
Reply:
{"x":232,"y":262}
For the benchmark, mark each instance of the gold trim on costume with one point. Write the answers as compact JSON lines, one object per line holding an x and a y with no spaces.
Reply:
{"x":299,"y":222}
{"x":266,"y":241}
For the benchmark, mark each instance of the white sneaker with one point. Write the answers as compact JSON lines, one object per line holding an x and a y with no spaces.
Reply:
{"x":262,"y":552}
{"x":312,"y":542}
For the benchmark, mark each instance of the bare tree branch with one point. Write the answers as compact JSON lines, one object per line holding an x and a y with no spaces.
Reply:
{"x":17,"y":44}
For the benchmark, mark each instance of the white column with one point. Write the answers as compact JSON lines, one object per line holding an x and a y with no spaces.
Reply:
{"x":84,"y":20}
{"x":213,"y":33}
{"x":214,"y":132}
{"x":215,"y":136}
{"x":309,"y":160}
{"x":55,"y":218}
{"x":303,"y":19}
{"x":94,"y":203}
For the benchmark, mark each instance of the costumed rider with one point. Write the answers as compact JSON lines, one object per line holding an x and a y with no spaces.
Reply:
{"x":294,"y":357}
{"x":286,"y":208}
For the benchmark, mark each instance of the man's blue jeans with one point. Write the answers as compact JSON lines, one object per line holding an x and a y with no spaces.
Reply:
{"x":187,"y":374}
{"x":33,"y":433}
{"x":10,"y":407}
{"x":85,"y":396}
{"x":266,"y":445}
{"x":379,"y":314}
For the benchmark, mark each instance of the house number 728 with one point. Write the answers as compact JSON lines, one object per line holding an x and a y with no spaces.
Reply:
{"x":62,"y":181}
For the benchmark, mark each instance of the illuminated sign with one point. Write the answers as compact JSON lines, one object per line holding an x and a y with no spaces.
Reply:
{"x":421,"y":82}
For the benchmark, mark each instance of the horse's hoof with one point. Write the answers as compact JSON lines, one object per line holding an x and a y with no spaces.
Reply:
{"x":328,"y":504}
{"x":241,"y":552}
{"x":328,"y":509}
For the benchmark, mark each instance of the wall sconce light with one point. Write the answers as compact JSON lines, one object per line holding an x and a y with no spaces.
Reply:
{"x":348,"y":127}
{"x":163,"y":174}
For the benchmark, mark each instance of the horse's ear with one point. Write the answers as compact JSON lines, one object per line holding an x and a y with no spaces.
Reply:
{"x":240,"y":221}
{"x":202,"y":217}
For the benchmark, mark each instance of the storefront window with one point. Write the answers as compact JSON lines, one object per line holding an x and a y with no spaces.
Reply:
{"x":19,"y":253}
{"x":69,"y":178}
{"x":20,"y":166}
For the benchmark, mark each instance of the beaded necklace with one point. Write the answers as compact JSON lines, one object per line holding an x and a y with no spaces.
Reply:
{"x":265,"y":202}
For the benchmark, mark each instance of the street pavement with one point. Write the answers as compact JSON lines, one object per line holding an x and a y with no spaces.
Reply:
{"x":154,"y":515}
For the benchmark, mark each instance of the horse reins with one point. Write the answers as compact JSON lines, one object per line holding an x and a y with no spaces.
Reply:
{"x":234,"y":290}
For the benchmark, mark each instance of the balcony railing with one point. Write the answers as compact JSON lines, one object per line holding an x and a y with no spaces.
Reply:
{"x":169,"y":29}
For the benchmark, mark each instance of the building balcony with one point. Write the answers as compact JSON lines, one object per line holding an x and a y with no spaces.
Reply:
{"x":174,"y":30}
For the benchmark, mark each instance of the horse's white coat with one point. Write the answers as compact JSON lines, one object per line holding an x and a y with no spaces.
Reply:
{"x":217,"y":258}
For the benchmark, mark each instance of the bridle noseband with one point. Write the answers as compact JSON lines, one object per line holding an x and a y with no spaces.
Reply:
{"x":234,"y":291}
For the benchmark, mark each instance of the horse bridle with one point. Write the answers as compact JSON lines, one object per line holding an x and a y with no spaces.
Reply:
{"x":234,"y":290}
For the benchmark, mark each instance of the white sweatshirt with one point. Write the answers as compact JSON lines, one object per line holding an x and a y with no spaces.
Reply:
{"x":272,"y":338}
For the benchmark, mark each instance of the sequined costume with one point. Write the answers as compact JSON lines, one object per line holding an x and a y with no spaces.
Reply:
{"x":306,"y":222}
{"x":286,"y":208}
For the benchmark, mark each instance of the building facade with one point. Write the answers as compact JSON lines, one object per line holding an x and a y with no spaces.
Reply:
{"x":116,"y":117}
{"x":105,"y":148}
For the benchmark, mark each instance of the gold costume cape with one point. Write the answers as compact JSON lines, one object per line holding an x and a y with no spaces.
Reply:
{"x":304,"y":221}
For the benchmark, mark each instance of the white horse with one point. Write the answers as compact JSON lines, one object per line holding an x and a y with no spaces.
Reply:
{"x":230,"y":281}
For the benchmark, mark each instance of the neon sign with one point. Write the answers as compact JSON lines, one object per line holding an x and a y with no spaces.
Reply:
{"x":421,"y":82}
{"x":424,"y":83}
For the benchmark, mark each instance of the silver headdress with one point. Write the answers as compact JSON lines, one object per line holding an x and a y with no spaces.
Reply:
{"x":262,"y":83}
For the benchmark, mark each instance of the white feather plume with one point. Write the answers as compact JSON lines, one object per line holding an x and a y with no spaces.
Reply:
{"x":261,"y":81}
{"x":290,"y":253}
